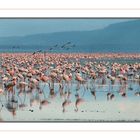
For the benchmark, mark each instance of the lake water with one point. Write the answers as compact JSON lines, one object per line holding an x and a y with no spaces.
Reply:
{"x":90,"y":110}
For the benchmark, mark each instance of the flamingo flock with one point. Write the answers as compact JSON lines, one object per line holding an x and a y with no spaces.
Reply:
{"x":29,"y":79}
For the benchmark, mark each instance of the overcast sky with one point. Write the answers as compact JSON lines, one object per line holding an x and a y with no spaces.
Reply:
{"x":20,"y":27}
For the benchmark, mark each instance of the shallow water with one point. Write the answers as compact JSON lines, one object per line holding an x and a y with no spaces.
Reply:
{"x":119,"y":109}
{"x":91,"y":110}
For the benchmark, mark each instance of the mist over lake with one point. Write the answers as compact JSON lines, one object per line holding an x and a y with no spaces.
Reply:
{"x":116,"y":37}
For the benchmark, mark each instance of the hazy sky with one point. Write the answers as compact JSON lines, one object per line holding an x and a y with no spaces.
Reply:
{"x":16,"y":27}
